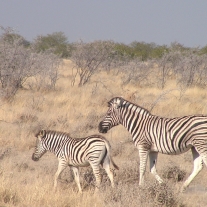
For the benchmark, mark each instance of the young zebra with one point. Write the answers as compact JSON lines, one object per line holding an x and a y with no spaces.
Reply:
{"x":152,"y":134}
{"x":93,"y":150}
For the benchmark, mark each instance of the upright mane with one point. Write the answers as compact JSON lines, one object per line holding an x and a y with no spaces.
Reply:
{"x":127,"y":103}
{"x":57,"y":132}
{"x":54,"y":133}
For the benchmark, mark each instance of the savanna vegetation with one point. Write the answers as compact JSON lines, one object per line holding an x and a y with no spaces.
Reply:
{"x":52,"y":84}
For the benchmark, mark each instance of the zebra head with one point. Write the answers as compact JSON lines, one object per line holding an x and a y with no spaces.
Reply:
{"x":39,"y":148}
{"x":112,"y":117}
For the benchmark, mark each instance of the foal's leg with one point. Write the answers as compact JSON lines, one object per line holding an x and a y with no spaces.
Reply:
{"x":61,"y":166}
{"x":77,"y":178}
{"x":96,"y":172}
{"x":106,"y":166}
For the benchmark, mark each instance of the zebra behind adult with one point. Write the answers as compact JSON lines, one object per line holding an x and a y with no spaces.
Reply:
{"x":92,"y":150}
{"x":152,"y":134}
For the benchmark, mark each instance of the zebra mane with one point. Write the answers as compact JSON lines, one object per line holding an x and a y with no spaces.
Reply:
{"x":45,"y":132}
{"x":125,"y":103}
{"x":128,"y":103}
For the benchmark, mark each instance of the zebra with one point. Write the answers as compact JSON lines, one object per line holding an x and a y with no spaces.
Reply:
{"x":93,"y":150}
{"x":152,"y":134}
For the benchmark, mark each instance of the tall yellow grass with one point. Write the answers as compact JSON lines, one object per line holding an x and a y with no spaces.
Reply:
{"x":78,"y":111}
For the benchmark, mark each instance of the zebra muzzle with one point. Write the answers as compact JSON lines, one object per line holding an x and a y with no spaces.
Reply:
{"x":34,"y":158}
{"x":102,"y":129}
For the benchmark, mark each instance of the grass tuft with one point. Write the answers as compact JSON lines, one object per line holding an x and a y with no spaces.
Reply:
{"x":174,"y":173}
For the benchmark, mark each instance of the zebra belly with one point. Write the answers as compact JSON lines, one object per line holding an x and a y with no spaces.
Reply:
{"x":170,"y":151}
{"x":79,"y":164}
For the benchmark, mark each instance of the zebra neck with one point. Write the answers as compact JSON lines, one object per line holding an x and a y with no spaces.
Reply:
{"x":56,"y":145}
{"x":133,"y":117}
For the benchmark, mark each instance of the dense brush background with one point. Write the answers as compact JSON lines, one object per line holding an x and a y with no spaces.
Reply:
{"x":51,"y":84}
{"x":78,"y":110}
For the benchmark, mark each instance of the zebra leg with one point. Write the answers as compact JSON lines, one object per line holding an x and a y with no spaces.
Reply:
{"x":106,"y":166}
{"x":198,"y":165}
{"x":61,"y":167}
{"x":77,"y":178}
{"x":153,"y":161}
{"x":96,"y":172}
{"x":143,"y":154}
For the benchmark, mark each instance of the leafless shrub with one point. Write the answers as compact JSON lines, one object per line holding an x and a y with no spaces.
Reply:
{"x":118,"y":63}
{"x":89,"y":57}
{"x":137,"y":72}
{"x":151,"y":195}
{"x":13,"y":60}
{"x":188,"y":67}
{"x":191,"y":70}
{"x":19,"y":62}
{"x":174,"y":173}
{"x":47,"y":71}
{"x":166,"y":64}
{"x":161,"y":194}
{"x":201,"y":78}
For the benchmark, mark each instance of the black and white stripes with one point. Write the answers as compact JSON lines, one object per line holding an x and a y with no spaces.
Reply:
{"x":152,"y":134}
{"x":93,"y":150}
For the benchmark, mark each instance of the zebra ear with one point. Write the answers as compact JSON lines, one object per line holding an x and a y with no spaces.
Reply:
{"x":42,"y":133}
{"x":119,"y":102}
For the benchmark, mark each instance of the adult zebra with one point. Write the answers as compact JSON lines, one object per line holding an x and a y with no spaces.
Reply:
{"x":152,"y":134}
{"x":93,"y":150}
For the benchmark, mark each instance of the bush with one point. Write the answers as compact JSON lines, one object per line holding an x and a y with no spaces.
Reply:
{"x":57,"y":42}
{"x":89,"y":57}
{"x":187,"y":66}
{"x":174,"y":173}
{"x":161,"y":194}
{"x":151,"y":195}
{"x":18,"y":62}
{"x":137,"y":72}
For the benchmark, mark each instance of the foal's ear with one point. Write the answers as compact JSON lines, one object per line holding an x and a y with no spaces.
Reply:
{"x":41,"y":134}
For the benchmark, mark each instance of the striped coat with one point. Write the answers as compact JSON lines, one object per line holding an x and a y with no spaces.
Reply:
{"x":93,"y":150}
{"x":152,"y":134}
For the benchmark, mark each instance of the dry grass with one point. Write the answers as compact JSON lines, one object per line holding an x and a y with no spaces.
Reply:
{"x":78,"y":110}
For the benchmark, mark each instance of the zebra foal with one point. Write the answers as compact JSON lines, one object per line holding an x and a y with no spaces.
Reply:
{"x":152,"y":134}
{"x":93,"y":150}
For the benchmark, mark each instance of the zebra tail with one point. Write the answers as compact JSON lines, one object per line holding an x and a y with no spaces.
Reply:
{"x":108,"y":148}
{"x":114,"y":164}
